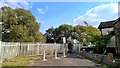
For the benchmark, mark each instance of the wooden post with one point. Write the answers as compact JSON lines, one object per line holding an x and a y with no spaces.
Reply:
{"x":40,"y":47}
{"x":44,"y":55}
{"x":38,"y":50}
{"x":18,"y":49}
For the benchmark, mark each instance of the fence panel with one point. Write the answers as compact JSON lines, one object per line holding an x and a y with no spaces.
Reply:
{"x":10,"y":50}
{"x":0,"y":53}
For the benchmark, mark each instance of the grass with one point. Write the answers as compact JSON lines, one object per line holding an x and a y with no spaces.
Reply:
{"x":50,"y":53}
{"x":19,"y":61}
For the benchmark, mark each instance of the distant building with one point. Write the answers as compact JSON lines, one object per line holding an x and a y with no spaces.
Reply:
{"x":106,"y":28}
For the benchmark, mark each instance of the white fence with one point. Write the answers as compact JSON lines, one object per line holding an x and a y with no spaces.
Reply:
{"x":12,"y":49}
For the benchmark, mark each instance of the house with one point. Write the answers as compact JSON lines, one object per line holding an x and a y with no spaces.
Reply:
{"x":106,"y":28}
{"x":112,"y":26}
{"x":117,"y":35}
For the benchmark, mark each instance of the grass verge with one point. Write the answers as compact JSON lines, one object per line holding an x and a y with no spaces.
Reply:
{"x":19,"y":61}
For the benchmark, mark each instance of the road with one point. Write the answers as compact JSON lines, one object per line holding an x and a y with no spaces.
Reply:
{"x":72,"y":60}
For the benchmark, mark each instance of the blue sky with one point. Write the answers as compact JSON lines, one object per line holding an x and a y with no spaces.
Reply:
{"x":53,"y":14}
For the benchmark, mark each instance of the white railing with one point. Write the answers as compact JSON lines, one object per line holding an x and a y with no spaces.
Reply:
{"x":12,"y":49}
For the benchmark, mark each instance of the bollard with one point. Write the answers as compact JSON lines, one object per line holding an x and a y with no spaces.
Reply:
{"x":64,"y":53}
{"x":44,"y":55}
{"x":56,"y":54}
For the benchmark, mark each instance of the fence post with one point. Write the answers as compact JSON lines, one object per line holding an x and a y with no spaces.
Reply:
{"x":19,"y":49}
{"x":44,"y":55}
{"x":38,"y":50}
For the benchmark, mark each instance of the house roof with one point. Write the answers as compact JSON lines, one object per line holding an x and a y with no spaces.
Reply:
{"x":117,"y":20}
{"x":107,"y":24}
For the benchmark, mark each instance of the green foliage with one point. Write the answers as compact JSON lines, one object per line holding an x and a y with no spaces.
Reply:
{"x":78,"y":32}
{"x":91,"y":33}
{"x":56,"y":34}
{"x":101,"y":41}
{"x":50,"y":36}
{"x":21,"y":24}
{"x":65,"y":30}
{"x":19,"y":61}
{"x":75,"y":32}
{"x":81,"y":32}
{"x":42,"y":38}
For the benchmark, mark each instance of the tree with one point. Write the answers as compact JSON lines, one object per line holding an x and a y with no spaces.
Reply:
{"x":101,"y":42}
{"x":85,"y":34}
{"x":78,"y":32}
{"x":42,"y":38}
{"x":65,"y":30}
{"x":91,"y":33}
{"x":57,"y":34}
{"x":50,"y":35}
{"x":19,"y":25}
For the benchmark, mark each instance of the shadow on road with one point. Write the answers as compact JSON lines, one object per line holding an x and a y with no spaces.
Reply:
{"x":72,"y":56}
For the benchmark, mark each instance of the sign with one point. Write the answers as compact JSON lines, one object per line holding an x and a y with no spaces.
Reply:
{"x":64,"y":40}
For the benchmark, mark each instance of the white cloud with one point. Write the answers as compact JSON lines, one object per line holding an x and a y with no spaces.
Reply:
{"x":41,"y":11}
{"x":94,"y":16}
{"x":22,"y":4}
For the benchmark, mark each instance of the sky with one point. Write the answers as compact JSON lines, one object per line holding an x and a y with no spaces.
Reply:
{"x":53,"y":14}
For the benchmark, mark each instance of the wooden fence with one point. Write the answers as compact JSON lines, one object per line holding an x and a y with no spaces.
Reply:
{"x":10,"y":50}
